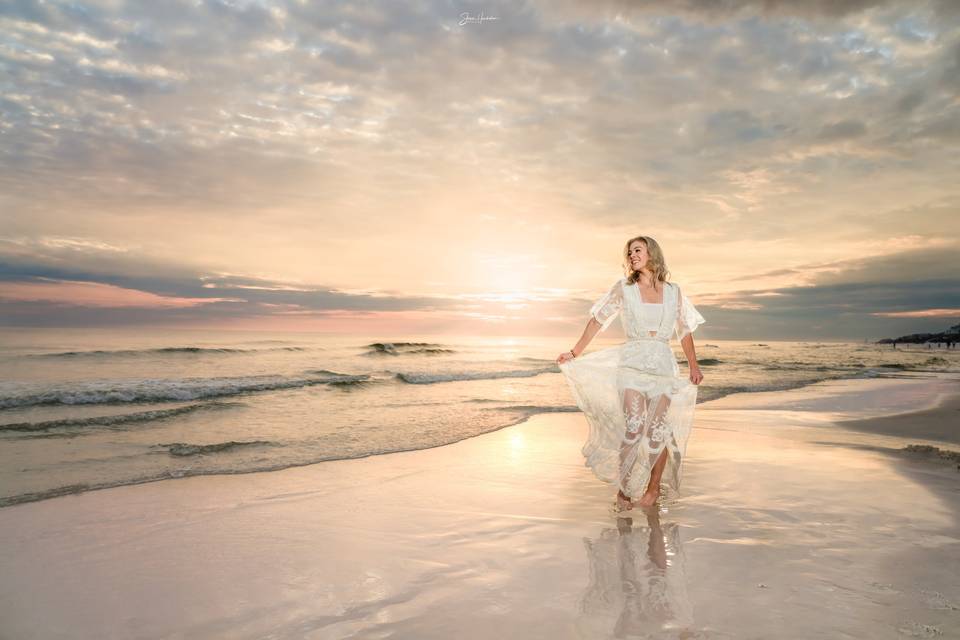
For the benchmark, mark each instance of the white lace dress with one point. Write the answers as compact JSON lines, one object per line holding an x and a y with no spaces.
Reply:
{"x":633,"y":396}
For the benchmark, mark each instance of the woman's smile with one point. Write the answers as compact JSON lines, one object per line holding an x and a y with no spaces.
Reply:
{"x":638,"y":256}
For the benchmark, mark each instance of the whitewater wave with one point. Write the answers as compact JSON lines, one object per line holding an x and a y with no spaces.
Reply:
{"x":432,"y":378}
{"x":14,"y":395}
{"x":934,"y":363}
{"x":533,"y":409}
{"x":156,"y":351}
{"x":113,"y":421}
{"x":406,"y":348}
{"x":182,"y":449}
{"x":707,"y":393}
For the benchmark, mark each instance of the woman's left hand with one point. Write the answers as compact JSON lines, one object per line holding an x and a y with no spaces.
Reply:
{"x":695,"y":376}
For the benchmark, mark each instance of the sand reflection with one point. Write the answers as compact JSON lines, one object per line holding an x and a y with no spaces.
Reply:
{"x":637,"y":587}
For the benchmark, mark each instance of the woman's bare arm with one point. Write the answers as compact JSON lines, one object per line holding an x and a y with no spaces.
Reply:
{"x":588,"y":334}
{"x":591,"y":330}
{"x":691,"y":353}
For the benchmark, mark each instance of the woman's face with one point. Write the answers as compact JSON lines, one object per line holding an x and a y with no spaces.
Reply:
{"x":638,"y":255}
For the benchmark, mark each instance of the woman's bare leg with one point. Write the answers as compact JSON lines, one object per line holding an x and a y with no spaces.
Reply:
{"x":655,"y":434}
{"x":653,"y":488}
{"x":634,"y":411}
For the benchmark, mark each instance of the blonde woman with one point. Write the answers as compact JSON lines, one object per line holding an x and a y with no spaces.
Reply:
{"x":638,"y":406}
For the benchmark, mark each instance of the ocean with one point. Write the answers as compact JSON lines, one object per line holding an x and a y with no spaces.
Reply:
{"x":88,"y":409}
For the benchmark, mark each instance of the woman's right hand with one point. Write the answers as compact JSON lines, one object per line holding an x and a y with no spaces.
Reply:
{"x":566,"y":356}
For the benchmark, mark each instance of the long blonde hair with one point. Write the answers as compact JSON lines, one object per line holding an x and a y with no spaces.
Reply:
{"x":655,"y":263}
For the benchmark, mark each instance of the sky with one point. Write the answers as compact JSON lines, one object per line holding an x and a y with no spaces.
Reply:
{"x":430,"y":168}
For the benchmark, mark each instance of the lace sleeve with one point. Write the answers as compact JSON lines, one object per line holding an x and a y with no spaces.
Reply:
{"x":606,"y":308}
{"x":688,"y":318}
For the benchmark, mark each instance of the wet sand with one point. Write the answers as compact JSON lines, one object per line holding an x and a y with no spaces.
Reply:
{"x":794,"y":523}
{"x":941,"y":423}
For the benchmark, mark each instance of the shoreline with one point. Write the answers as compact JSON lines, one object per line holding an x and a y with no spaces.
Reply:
{"x":508,"y":534}
{"x":83,"y":488}
{"x":933,"y":423}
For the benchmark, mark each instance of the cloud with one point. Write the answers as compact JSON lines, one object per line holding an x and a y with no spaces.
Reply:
{"x":871,"y":297}
{"x":67,"y":293}
{"x":727,"y":9}
{"x":842,"y":130}
{"x":878,"y":296}
{"x":329,"y":149}
{"x":952,"y":314}
{"x":735,"y":126}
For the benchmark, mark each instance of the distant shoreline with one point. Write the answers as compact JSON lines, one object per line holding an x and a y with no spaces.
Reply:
{"x":949,"y":337}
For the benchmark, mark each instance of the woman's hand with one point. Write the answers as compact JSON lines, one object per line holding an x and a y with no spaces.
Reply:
{"x":695,"y":376}
{"x":566,"y":356}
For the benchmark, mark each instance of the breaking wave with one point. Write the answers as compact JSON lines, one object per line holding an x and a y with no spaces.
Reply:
{"x":161,"y":390}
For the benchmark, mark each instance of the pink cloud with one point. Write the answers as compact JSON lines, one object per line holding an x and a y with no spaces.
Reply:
{"x":920,"y":313}
{"x":95,"y":294}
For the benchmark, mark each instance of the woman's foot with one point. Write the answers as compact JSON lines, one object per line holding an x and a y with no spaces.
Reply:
{"x":649,"y":498}
{"x":624,"y":503}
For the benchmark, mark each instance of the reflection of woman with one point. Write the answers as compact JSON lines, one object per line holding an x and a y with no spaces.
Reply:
{"x":639,"y":408}
{"x":637,"y":585}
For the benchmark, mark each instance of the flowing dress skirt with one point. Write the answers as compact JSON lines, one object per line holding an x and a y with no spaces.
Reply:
{"x":636,"y":404}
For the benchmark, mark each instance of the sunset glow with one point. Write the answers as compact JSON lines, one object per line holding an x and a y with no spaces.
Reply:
{"x":381,"y":168}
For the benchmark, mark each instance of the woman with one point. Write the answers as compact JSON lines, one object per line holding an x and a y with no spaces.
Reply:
{"x":638,"y":407}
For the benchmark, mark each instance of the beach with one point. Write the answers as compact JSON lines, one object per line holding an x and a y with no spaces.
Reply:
{"x":334,"y":320}
{"x":800,"y":517}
